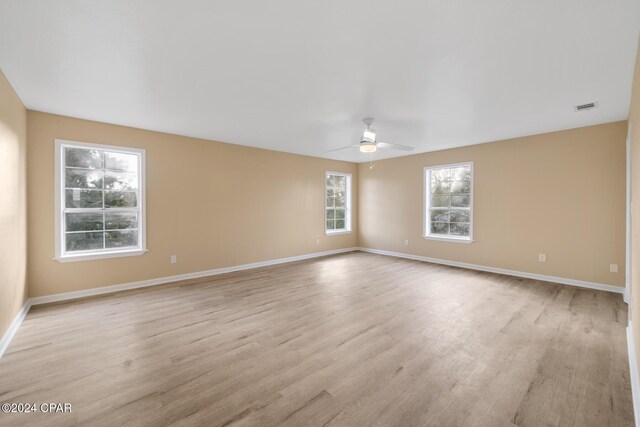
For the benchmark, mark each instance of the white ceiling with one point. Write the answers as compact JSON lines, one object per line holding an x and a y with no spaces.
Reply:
{"x":299,"y":75}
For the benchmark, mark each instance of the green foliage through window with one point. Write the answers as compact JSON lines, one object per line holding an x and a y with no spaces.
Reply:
{"x":101,"y":199}
{"x":449,"y":201}
{"x":337,"y":201}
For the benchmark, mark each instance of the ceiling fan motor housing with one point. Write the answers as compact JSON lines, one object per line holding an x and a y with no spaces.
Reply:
{"x":369,"y":136}
{"x":368,"y":140}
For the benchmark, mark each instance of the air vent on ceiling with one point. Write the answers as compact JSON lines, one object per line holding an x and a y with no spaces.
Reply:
{"x":585,"y":107}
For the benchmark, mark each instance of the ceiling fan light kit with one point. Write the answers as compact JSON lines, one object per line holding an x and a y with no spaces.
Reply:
{"x":368,"y":147}
{"x":368,"y":143}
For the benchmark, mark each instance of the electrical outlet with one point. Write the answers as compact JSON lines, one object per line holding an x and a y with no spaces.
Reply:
{"x":406,"y":242}
{"x":317,"y":241}
{"x":542,"y":257}
{"x":174,"y":259}
{"x":613,"y":268}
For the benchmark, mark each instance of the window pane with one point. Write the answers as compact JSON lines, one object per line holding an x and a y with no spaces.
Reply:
{"x":440,"y":228}
{"x":441,"y":175}
{"x":120,"y":181}
{"x":83,"y":221}
{"x":450,"y":201}
{"x":440,"y":187}
{"x":460,"y":229}
{"x":120,"y":220}
{"x":121,"y":239}
{"x":460,"y":201}
{"x":336,"y":201}
{"x":84,"y":241}
{"x":120,"y":162}
{"x":459,"y":216}
{"x":82,"y":178}
{"x":96,"y":178}
{"x":439,"y":215}
{"x":83,"y":198}
{"x":440,"y":200}
{"x":461,"y":187}
{"x":120,"y":199}
{"x":83,"y":158}
{"x":461,"y":174}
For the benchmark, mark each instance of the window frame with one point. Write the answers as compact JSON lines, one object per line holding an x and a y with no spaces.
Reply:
{"x":59,"y":183}
{"x":427,"y":205}
{"x":347,"y":205}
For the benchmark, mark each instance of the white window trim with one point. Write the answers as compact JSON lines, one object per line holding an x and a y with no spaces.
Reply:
{"x":427,"y":202}
{"x":60,"y":255}
{"x":347,"y":214}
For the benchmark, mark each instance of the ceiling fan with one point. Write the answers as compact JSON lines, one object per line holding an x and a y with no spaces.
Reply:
{"x":368,"y":143}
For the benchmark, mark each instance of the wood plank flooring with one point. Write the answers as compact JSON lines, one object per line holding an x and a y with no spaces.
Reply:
{"x":349,"y":340}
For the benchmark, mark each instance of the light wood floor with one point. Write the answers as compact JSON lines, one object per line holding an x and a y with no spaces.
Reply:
{"x":349,"y":340}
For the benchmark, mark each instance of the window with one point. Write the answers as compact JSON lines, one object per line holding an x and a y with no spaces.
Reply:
{"x":337,"y":203}
{"x":449,"y":202}
{"x":99,"y":201}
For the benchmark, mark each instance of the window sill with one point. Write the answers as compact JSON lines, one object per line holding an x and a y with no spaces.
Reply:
{"x":449,"y":239}
{"x":332,"y":233}
{"x":103,"y":255}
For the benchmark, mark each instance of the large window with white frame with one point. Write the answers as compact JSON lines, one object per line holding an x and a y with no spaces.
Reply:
{"x":449,"y":202}
{"x":99,"y":201}
{"x":337,"y":202}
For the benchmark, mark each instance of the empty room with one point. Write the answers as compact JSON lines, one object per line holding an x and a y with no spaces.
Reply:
{"x":330,"y":213}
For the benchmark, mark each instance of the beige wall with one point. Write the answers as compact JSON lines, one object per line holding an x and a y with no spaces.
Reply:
{"x":13,"y":208}
{"x":561,"y":193}
{"x":211,"y":204}
{"x":216,"y":205}
{"x":634,"y":132}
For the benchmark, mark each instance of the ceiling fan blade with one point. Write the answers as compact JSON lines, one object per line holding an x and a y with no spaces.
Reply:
{"x":396,"y":146}
{"x":342,"y":148}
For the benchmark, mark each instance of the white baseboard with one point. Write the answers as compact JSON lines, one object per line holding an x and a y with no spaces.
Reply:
{"x":633,"y":371}
{"x":13,"y":327}
{"x":66,"y":296}
{"x":542,"y":277}
{"x":168,"y":279}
